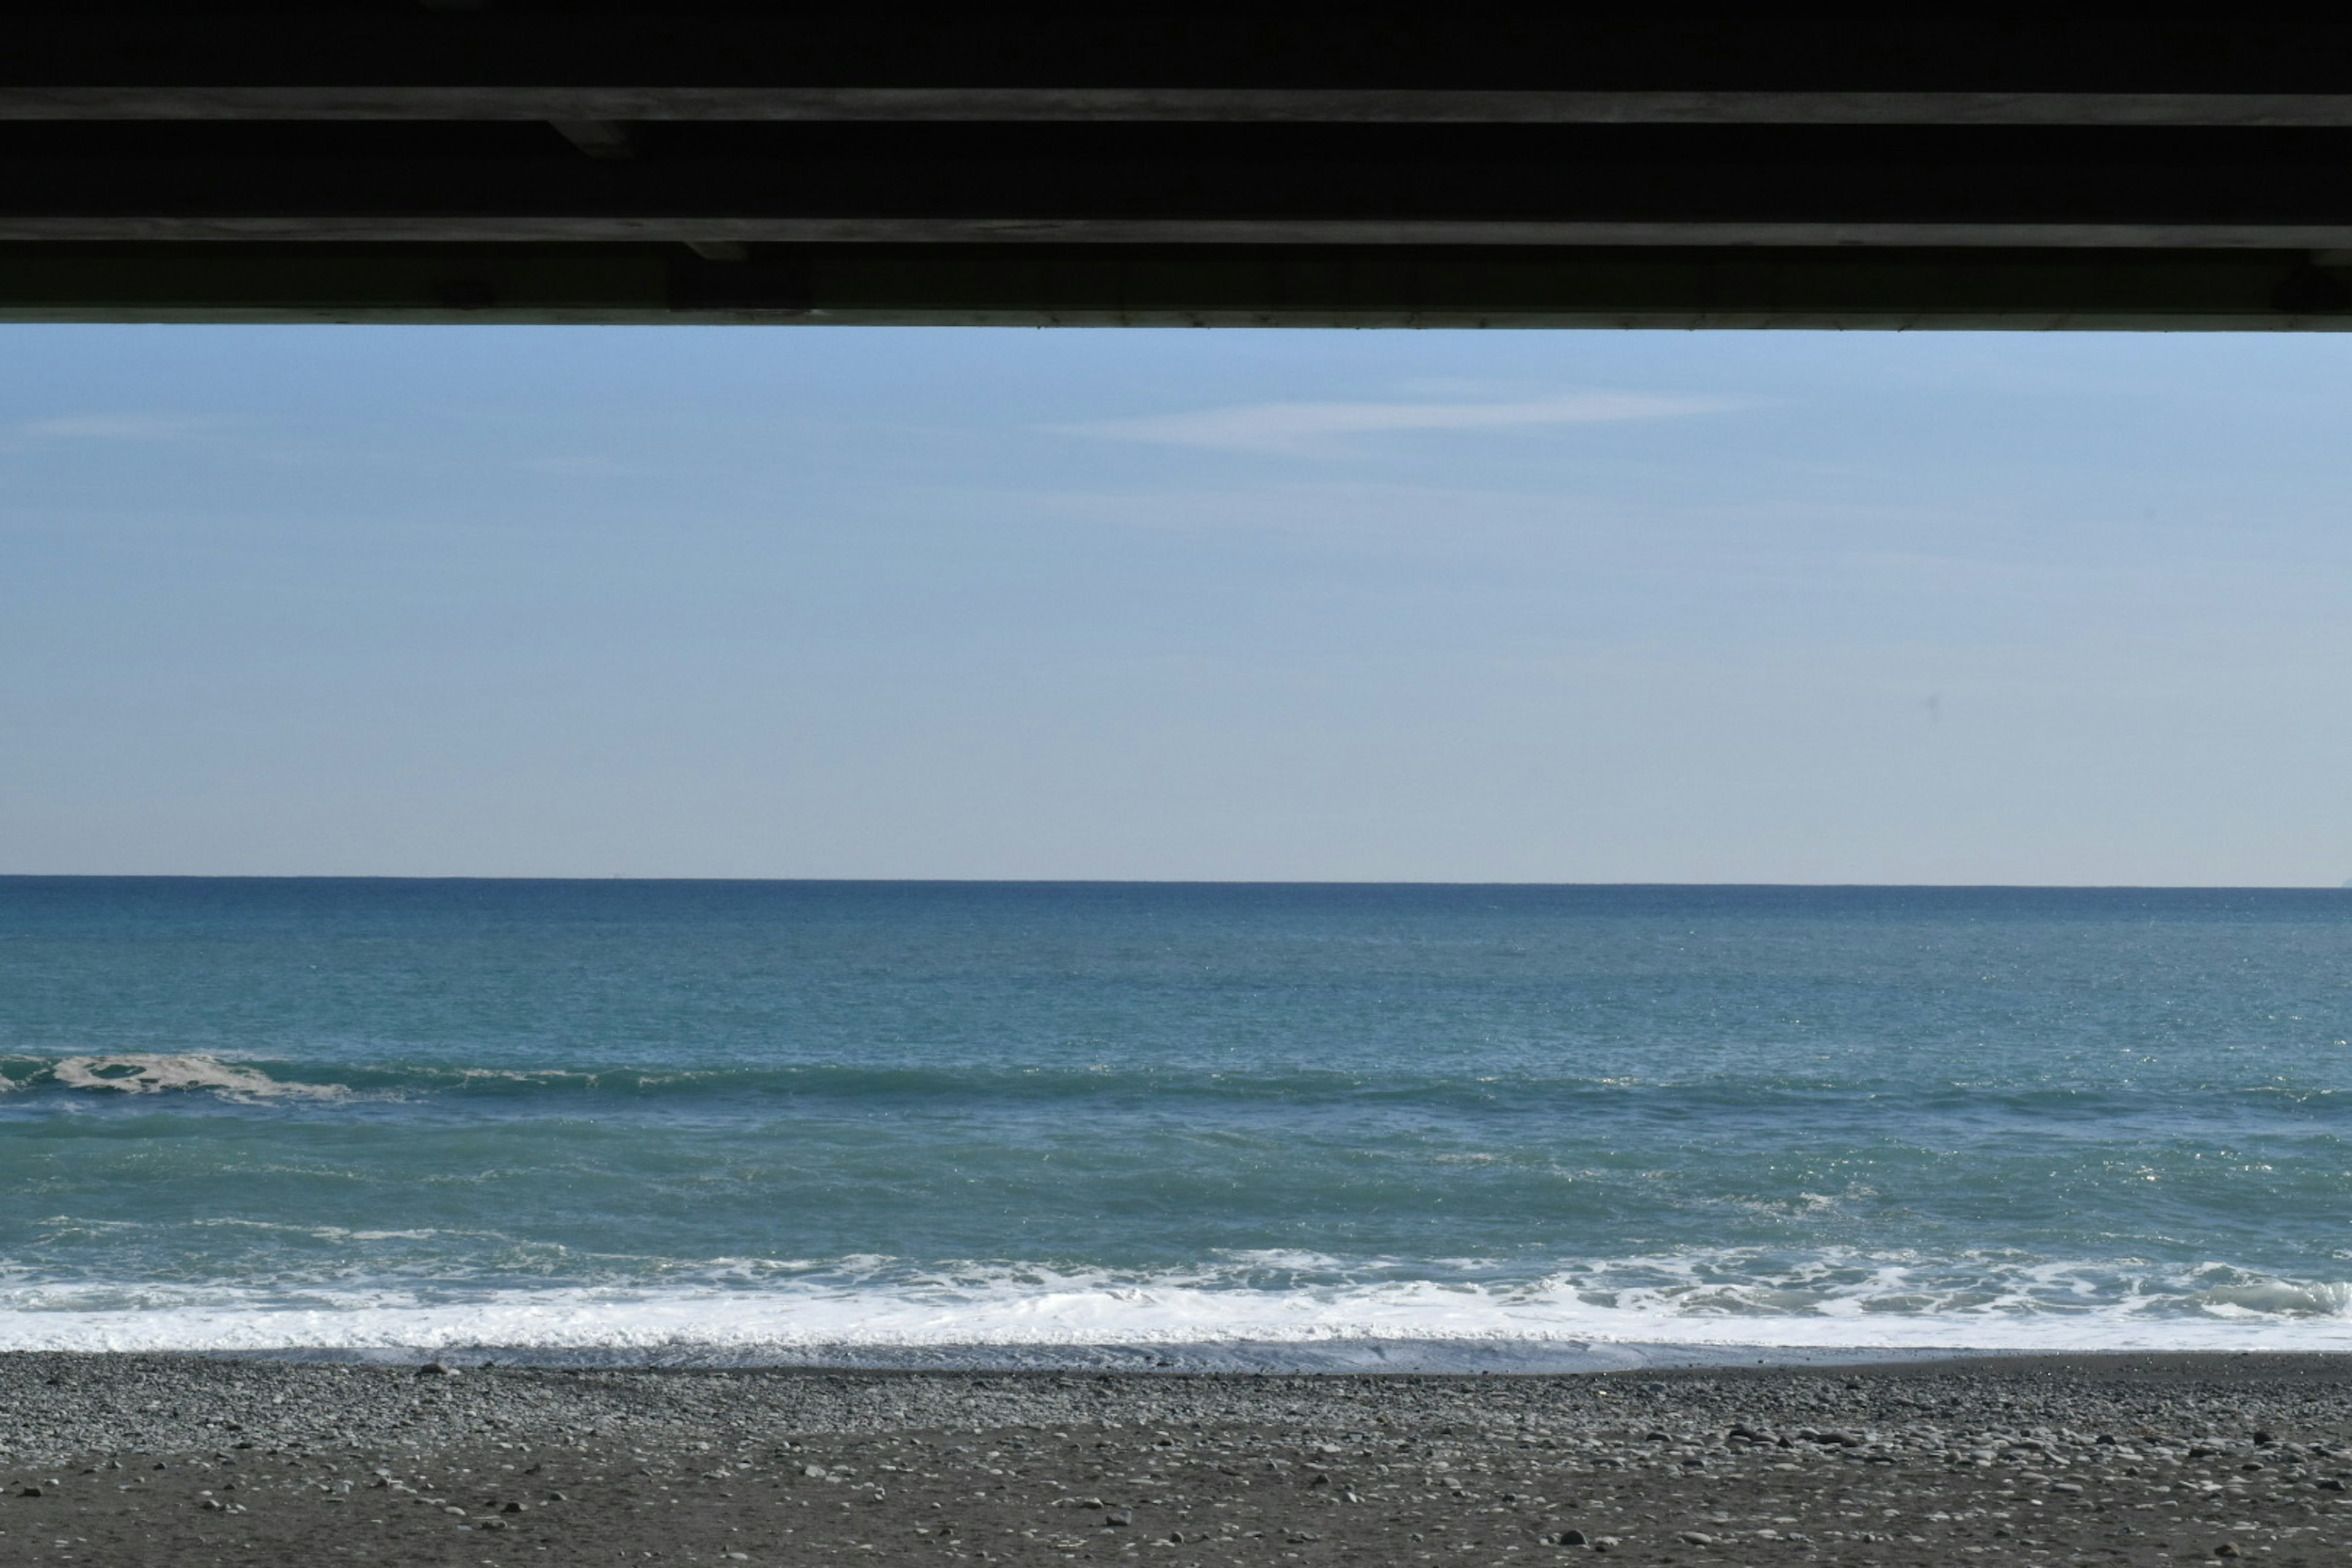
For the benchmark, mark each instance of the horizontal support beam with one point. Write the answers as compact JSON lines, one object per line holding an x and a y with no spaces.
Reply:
{"x":1047,"y":286}
{"x":142,"y":43}
{"x":728,"y":160}
{"x":1171,"y":185}
{"x":1401,"y":106}
{"x":1014,"y":229}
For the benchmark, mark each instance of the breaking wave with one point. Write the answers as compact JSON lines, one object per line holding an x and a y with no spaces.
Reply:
{"x":141,"y":1073}
{"x":1521,"y":1094}
{"x":1248,"y":1309}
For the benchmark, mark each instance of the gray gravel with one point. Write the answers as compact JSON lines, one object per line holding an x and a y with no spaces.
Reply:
{"x":2108,"y":1459}
{"x":53,"y":1406}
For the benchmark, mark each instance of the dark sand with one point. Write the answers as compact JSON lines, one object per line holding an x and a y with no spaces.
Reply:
{"x":131,"y":1461}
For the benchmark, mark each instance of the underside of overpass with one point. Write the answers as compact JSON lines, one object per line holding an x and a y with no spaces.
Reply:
{"x":406,"y":162}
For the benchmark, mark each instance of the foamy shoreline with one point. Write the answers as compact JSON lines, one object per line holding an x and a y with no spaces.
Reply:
{"x":885,"y":1313}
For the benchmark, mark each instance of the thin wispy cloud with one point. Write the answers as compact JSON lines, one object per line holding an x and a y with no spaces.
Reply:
{"x":1325,"y":429}
{"x":116,"y":427}
{"x":588,"y":466}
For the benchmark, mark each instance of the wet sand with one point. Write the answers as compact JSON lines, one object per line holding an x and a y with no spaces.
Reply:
{"x":137,"y":1460}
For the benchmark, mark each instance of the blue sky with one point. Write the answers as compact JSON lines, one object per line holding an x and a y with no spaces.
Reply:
{"x":1542,"y":606}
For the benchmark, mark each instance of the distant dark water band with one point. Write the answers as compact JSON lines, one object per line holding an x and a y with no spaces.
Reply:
{"x":155,"y":1081}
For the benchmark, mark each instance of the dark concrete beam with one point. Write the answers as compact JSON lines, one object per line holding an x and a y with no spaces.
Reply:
{"x":1014,"y":229}
{"x":598,"y":138}
{"x":97,"y":44}
{"x":1194,"y":286}
{"x":1355,"y":106}
{"x":1160,"y":185}
{"x":596,"y":160}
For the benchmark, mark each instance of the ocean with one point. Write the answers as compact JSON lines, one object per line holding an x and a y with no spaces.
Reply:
{"x":1169,"y":1125}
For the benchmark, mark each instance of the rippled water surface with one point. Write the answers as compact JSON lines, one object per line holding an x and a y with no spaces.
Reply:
{"x":752,"y":1117}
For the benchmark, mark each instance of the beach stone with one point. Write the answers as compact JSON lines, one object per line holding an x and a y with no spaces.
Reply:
{"x":1542,"y":1449}
{"x":1117,"y":1516}
{"x":1695,"y":1538}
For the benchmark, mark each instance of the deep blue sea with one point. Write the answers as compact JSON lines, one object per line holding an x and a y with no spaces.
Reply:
{"x":825,"y":1121}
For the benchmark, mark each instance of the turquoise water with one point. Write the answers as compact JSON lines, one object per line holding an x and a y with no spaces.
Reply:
{"x":763,"y":1118}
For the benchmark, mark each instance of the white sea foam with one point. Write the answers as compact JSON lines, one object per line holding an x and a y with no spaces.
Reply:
{"x":136,"y":1073}
{"x":876,"y":1307}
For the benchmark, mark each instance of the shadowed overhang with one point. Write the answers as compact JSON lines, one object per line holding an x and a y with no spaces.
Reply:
{"x":406,"y":162}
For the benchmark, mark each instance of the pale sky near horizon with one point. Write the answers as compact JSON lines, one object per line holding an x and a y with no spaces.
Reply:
{"x":1510,"y":607}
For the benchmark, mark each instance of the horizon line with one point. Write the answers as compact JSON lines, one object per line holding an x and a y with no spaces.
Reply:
{"x":1167,"y":882}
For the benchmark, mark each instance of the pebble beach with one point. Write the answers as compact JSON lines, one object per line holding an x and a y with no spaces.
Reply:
{"x":136,"y":1460}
